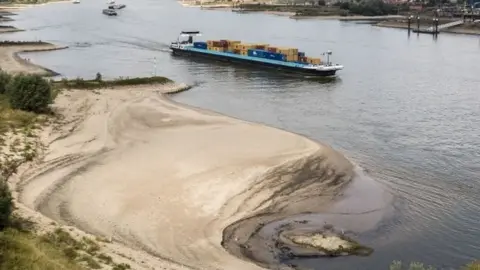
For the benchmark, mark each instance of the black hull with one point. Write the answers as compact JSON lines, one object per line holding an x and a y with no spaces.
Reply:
{"x":309,"y":72}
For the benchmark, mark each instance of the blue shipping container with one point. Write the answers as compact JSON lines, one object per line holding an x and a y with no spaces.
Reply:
{"x":266,"y":55}
{"x":256,"y":53}
{"x":276,"y":56}
{"x":200,"y":45}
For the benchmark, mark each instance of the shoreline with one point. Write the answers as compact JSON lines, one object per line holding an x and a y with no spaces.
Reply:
{"x":466,"y":29}
{"x":9,"y":29}
{"x":15,"y":6}
{"x":13,"y":63}
{"x":379,"y":21}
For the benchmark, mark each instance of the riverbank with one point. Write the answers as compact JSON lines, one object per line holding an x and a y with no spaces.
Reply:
{"x":350,"y":18}
{"x":468,"y":28}
{"x":13,"y":63}
{"x":17,"y":6}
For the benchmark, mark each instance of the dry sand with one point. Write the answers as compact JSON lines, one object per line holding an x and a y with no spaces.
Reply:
{"x":130,"y":164}
{"x":12,"y":63}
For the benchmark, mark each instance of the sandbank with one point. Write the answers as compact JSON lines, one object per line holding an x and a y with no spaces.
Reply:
{"x":13,"y":63}
{"x":131,"y":165}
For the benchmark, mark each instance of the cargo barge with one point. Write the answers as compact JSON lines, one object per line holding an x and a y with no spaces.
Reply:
{"x":285,"y":59}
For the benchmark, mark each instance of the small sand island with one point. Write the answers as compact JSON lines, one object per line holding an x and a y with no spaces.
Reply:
{"x":326,"y":242}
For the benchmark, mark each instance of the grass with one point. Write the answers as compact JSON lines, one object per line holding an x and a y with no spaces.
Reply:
{"x":24,"y":251}
{"x":14,"y":119}
{"x":95,"y":84}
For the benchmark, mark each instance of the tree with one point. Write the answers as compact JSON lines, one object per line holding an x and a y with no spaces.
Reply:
{"x":30,"y":93}
{"x":345,"y":5}
{"x":4,"y":80}
{"x":6,"y":204}
{"x":98,"y":77}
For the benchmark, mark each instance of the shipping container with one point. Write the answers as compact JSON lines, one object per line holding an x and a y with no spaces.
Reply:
{"x":219,"y":49}
{"x":200,"y":45}
{"x":256,"y":53}
{"x":245,"y":46}
{"x":261,"y":46}
{"x":301,"y":54}
{"x":288,"y":51}
{"x":275,"y":56}
{"x":272,"y":49}
{"x":315,"y":61}
{"x":292,"y":58}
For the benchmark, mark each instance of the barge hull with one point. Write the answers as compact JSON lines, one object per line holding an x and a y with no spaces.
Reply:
{"x":246,"y":61}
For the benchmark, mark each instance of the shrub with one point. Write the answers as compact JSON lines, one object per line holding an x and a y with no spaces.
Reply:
{"x":29,"y":93}
{"x":4,"y":80}
{"x":6,"y":204}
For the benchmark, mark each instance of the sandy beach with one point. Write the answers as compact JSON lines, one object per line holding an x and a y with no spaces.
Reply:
{"x":11,"y":62}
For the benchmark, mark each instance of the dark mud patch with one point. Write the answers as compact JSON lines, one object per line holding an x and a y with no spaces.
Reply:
{"x":352,"y":216}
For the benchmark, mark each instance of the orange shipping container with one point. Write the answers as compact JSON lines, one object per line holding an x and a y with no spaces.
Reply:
{"x":292,"y":58}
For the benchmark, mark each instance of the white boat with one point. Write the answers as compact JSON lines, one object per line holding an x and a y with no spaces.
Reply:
{"x":76,"y":1}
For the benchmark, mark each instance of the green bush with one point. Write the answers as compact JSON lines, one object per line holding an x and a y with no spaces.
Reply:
{"x":29,"y":93}
{"x":4,"y":80}
{"x":6,"y":204}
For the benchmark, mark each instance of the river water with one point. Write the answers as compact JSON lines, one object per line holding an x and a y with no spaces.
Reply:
{"x":405,"y":108}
